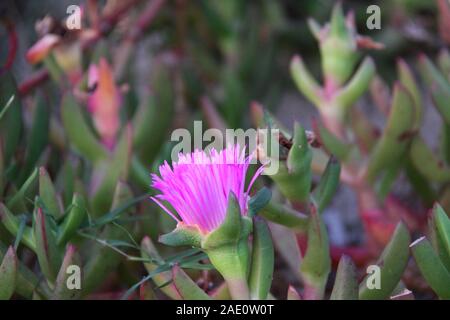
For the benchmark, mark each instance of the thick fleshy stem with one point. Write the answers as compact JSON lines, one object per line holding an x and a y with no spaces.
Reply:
{"x":227,"y":249}
{"x":232,"y":263}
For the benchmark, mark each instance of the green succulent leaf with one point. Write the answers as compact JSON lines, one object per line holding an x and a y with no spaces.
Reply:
{"x":17,"y":203}
{"x":231,"y":231}
{"x":103,"y":259}
{"x":397,"y":134}
{"x":73,"y":220}
{"x":421,"y":185}
{"x":228,"y":251}
{"x":112,"y":172}
{"x":285,"y":216}
{"x":12,"y":223}
{"x":47,"y":251}
{"x":328,"y":184}
{"x":149,"y":252}
{"x":8,"y":274}
{"x":182,"y":235}
{"x":67,"y":175}
{"x":346,"y":283}
{"x":315,"y":28}
{"x":439,"y":86}
{"x":338,"y":25}
{"x":391,"y":264}
{"x":338,"y":49}
{"x":407,"y":80}
{"x":333,"y":144}
{"x":440,"y":225}
{"x":173,"y":281}
{"x":27,"y":283}
{"x":186,"y":287}
{"x":389,"y":176}
{"x":431,"y":267}
{"x":47,"y":193}
{"x":215,"y":19}
{"x":305,"y":81}
{"x":426,"y":162}
{"x":38,"y":137}
{"x":78,"y":131}
{"x":316,"y":264}
{"x":149,"y":121}
{"x":62,"y":290}
{"x":356,"y":86}
{"x":139,"y":173}
{"x":259,"y":201}
{"x":286,"y":244}
{"x":294,"y":178}
{"x":271,"y":122}
{"x":262,"y":265}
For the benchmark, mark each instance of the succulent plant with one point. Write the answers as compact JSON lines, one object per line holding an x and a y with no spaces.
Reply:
{"x":92,"y":204}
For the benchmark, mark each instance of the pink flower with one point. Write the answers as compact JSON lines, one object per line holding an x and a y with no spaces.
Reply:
{"x":199,"y":184}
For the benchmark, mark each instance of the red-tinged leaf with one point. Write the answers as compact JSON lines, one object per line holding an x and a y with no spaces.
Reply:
{"x":8,"y":274}
{"x":46,"y":249}
{"x":69,"y":265}
{"x":42,"y":48}
{"x":105,"y":102}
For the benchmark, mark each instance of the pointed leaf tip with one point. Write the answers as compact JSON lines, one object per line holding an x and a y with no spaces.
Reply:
{"x":8,"y":274}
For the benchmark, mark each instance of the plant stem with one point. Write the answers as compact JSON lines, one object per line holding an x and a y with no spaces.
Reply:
{"x":232,"y":263}
{"x":238,"y":288}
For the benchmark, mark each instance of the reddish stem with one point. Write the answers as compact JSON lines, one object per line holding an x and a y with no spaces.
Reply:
{"x":12,"y":44}
{"x":34,"y":81}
